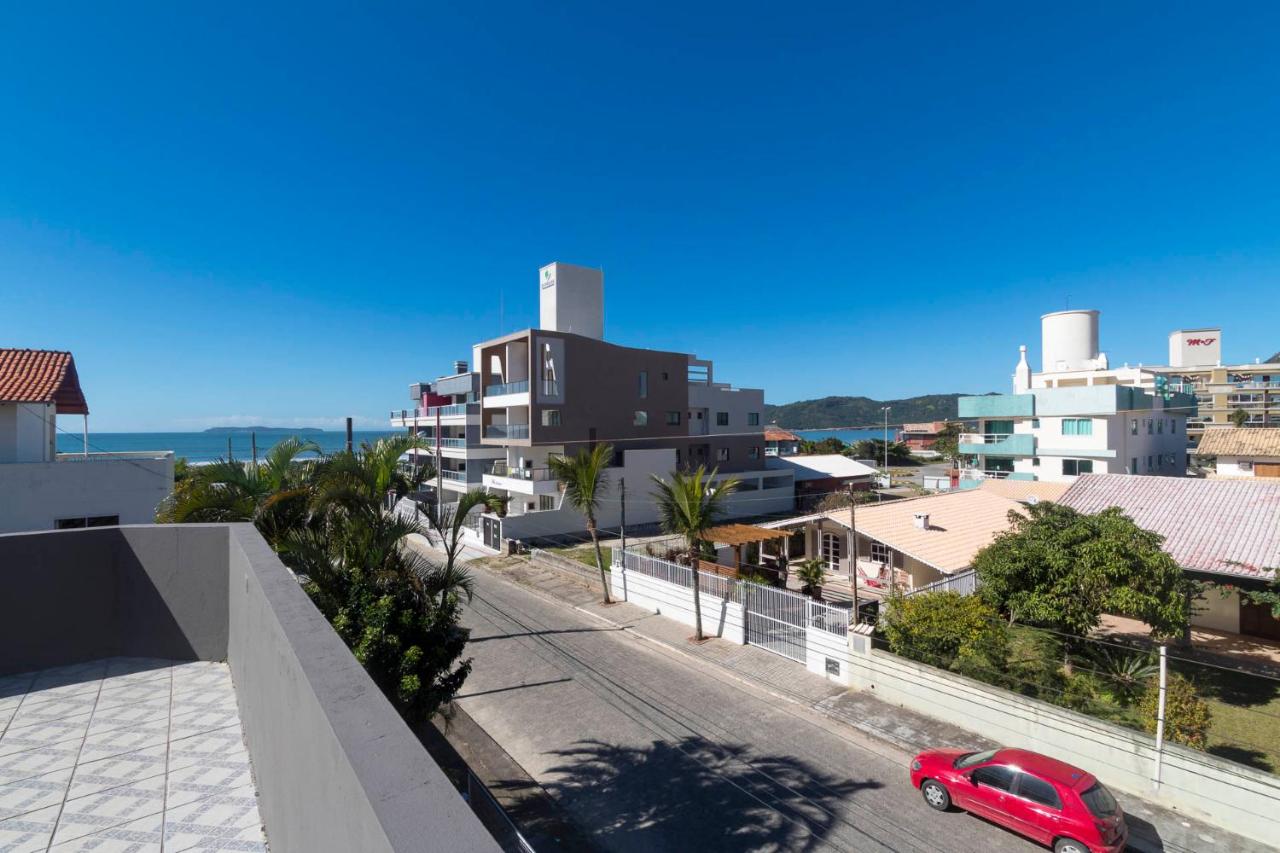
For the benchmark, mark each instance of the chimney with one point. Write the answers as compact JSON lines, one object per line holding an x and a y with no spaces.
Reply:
{"x":921,"y":520}
{"x":459,"y":367}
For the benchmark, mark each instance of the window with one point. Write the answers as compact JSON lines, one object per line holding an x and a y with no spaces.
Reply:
{"x":722,"y":418}
{"x":1035,"y":461}
{"x":831,"y":551}
{"x":665,"y":376}
{"x":1072,"y":467}
{"x":722,"y":454}
{"x":753,"y":453}
{"x":1133,"y":465}
{"x":881,"y":553}
{"x":1035,"y":423}
{"x":91,"y":521}
{"x":1133,"y":426}
{"x":68,"y":524}
{"x":964,"y":762}
{"x":546,"y":502}
{"x":753,"y":419}
{"x":1077,"y":426}
{"x":1160,"y":426}
{"x":550,"y":417}
{"x":994,"y":776}
{"x":1150,"y":427}
{"x":641,"y":419}
{"x":673,"y":419}
{"x":1099,"y":801}
{"x":644,"y":384}
{"x":1037,"y":790}
{"x":1148,"y":463}
{"x":1173,"y":425}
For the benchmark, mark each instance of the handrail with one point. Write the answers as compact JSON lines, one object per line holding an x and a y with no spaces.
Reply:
{"x":515,"y":472}
{"x":506,"y":431}
{"x":519,"y":387}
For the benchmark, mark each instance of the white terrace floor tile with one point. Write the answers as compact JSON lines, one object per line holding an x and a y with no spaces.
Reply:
{"x":125,"y":756}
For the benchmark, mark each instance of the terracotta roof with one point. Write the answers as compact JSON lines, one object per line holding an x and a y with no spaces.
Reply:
{"x":742,"y":534}
{"x":41,"y":376}
{"x":1021,"y":490}
{"x":776,"y":434}
{"x":1239,"y":441}
{"x":931,"y":427}
{"x":1229,"y":527}
{"x":961,"y":524}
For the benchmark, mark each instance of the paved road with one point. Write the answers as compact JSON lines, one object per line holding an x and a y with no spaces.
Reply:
{"x":653,"y":752}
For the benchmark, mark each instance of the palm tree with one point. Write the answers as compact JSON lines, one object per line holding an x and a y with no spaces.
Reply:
{"x":348,"y":481}
{"x":273,"y":494}
{"x":689,"y":505}
{"x":445,"y":526}
{"x":584,"y":479}
{"x":811,"y":574}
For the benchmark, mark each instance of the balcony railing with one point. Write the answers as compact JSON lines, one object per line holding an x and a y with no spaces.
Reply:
{"x":457,"y":476}
{"x":507,"y":431}
{"x":515,"y":472}
{"x":980,"y":474}
{"x":998,"y":444}
{"x":452,"y":410}
{"x":521,"y":387}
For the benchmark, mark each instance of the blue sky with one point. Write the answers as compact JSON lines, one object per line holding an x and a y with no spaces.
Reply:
{"x":288,"y":214}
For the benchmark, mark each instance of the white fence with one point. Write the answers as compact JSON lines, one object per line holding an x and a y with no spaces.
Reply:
{"x":965,"y":583}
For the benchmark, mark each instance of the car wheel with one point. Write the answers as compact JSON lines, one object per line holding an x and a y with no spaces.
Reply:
{"x":1069,"y":845}
{"x":936,"y":796}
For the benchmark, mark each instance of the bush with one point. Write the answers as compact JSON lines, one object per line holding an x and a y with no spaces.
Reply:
{"x":1035,"y":663}
{"x":949,"y":630}
{"x":1186,"y":715}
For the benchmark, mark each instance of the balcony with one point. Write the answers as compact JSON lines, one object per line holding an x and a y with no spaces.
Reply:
{"x":997,"y":444}
{"x":521,"y":387}
{"x":455,"y":410}
{"x":503,"y":432}
{"x":997,"y":406}
{"x":527,"y":481}
{"x":203,"y":629}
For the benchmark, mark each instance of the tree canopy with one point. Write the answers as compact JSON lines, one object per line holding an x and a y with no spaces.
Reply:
{"x":1062,"y":569}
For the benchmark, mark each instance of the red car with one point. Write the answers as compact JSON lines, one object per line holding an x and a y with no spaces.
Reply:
{"x":1040,"y":797}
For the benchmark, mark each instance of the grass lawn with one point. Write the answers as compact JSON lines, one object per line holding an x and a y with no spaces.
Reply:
{"x":585,"y":554}
{"x":1246,"y":714}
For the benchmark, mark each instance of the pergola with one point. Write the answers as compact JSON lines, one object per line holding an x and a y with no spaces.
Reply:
{"x":737,"y":535}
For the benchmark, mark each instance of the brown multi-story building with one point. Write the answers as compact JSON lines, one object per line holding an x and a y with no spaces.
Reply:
{"x":560,"y":388}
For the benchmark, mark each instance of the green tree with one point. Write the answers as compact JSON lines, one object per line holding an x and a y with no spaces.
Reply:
{"x":827,"y":445}
{"x":272,"y":494}
{"x":396,"y":611}
{"x":353,"y":480}
{"x":1186,"y":715}
{"x":1239,"y":417}
{"x":873,"y":448}
{"x":1062,"y":569}
{"x":689,"y":505}
{"x":948,"y":443}
{"x":445,"y":526}
{"x":585,"y":480}
{"x":949,"y":630}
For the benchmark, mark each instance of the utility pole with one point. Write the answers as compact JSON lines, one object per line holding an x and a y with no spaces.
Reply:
{"x":622,"y":527}
{"x":230,"y":458}
{"x":253,"y":444}
{"x":1164,"y":683}
{"x":350,"y":446}
{"x":439,"y":474}
{"x":86,"y":435}
{"x":853,"y":551}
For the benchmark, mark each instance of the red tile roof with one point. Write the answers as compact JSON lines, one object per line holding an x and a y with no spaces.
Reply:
{"x":776,"y":434}
{"x":41,"y":376}
{"x":1229,"y":527}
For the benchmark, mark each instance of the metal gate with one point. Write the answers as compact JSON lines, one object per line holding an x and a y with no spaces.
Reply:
{"x":775,"y":620}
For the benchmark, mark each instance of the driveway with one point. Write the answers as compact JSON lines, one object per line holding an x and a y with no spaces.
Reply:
{"x":650,"y":751}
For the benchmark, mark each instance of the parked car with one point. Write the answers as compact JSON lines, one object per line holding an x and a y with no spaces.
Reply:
{"x":1047,"y":800}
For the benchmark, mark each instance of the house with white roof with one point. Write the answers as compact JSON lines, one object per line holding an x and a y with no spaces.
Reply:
{"x":822,"y":474}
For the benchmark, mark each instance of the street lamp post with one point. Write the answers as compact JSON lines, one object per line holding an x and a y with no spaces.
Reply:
{"x":886,"y":409}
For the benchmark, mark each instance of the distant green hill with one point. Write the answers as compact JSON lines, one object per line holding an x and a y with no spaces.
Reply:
{"x":861,"y":411}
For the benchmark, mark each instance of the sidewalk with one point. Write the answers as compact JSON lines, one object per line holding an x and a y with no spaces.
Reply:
{"x":1152,"y":828}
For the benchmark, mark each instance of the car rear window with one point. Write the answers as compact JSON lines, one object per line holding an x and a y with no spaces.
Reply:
{"x":1038,"y":791}
{"x":973,"y":758}
{"x":1099,"y":800}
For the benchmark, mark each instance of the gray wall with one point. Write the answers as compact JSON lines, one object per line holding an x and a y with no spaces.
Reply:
{"x":335,"y":766}
{"x":76,"y":595}
{"x":33,"y":495}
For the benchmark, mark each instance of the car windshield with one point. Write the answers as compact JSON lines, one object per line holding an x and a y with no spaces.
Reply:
{"x":1099,"y":800}
{"x":971,"y":758}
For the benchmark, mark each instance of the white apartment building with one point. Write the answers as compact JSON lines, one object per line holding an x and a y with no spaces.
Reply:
{"x":1076,"y":416}
{"x":42,"y":489}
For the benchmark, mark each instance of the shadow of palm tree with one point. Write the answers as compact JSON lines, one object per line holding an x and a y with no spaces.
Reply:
{"x":695,"y":794}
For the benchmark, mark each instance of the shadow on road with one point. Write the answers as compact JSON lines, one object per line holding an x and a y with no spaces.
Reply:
{"x":542,"y":633}
{"x":694,"y":794}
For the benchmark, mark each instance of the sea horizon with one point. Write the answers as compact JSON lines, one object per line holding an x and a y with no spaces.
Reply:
{"x":210,"y":446}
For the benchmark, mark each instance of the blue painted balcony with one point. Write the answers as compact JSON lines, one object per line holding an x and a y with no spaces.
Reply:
{"x":997,"y":406}
{"x":997,"y":444}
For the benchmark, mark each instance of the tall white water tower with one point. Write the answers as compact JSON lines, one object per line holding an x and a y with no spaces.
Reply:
{"x":1069,"y":341}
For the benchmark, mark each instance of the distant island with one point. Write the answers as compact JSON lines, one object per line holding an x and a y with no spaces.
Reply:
{"x":831,"y":412}
{"x":265,"y":429}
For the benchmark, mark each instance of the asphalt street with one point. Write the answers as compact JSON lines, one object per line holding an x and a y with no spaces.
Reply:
{"x":649,"y":751}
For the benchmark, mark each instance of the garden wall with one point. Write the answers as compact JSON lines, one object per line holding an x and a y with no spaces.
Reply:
{"x":1230,"y":795}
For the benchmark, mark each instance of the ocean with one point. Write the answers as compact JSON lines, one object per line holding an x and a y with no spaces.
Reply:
{"x":206,"y":446}
{"x":848,"y":436}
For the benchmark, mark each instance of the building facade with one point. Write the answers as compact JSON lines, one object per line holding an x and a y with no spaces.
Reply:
{"x":42,"y":489}
{"x":1240,"y":453}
